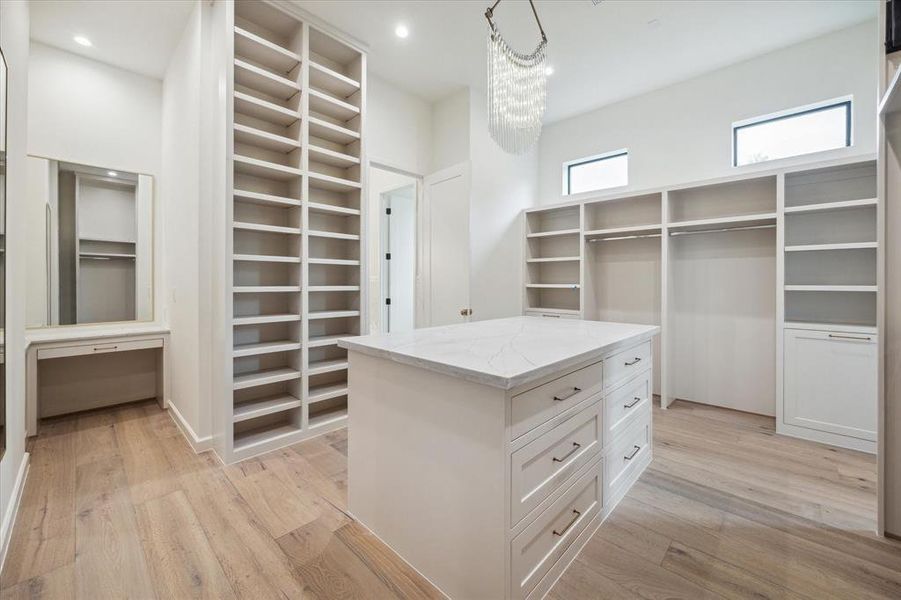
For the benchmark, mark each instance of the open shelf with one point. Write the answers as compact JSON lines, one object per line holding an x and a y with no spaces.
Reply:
{"x":265,"y":289}
{"x":559,"y":232}
{"x":265,"y":258}
{"x":265,"y":377}
{"x":265,"y":199}
{"x":336,"y":184}
{"x":328,"y":412}
{"x":629,"y":214}
{"x":723,"y":202}
{"x":331,"y":81}
{"x":553,"y":286}
{"x":257,"y":78}
{"x":554,"y":259}
{"x":262,"y":168}
{"x":333,"y":288}
{"x":329,"y":131}
{"x":266,"y":405}
{"x":331,"y":209}
{"x":264,"y":139}
{"x":831,"y":206}
{"x":632,"y":230}
{"x":890,"y":103}
{"x":332,"y":314}
{"x":319,"y":341}
{"x":266,"y":228}
{"x":561,"y":311}
{"x":327,"y":366}
{"x":824,"y":247}
{"x":106,"y":255}
{"x":830,"y":288}
{"x":334,"y":261}
{"x":331,"y":106}
{"x":327,"y":391}
{"x":332,"y":157}
{"x":840,"y":186}
{"x":264,"y":110}
{"x":262,"y":51}
{"x":247,"y":440}
{"x":750,"y":220}
{"x":333,"y":235}
{"x":265,"y":319}
{"x":264,"y":348}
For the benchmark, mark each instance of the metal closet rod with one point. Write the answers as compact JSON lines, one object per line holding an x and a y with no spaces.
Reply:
{"x":623,"y":237}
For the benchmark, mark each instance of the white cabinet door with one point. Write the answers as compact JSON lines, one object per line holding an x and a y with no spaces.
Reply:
{"x":830,"y":382}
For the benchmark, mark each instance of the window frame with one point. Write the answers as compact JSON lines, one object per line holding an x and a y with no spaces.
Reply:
{"x":592,"y":159}
{"x":844,"y":101}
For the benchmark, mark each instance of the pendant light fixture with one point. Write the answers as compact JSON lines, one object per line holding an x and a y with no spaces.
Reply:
{"x":517,"y":89}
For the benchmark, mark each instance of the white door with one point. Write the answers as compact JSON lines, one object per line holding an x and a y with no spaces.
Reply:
{"x":446,"y":246}
{"x":398,"y":251}
{"x":830,"y":382}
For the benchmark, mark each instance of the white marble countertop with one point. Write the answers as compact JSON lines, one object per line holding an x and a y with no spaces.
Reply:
{"x":504,"y":353}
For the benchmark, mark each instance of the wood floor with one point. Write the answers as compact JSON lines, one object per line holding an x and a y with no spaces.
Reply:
{"x":118,"y":506}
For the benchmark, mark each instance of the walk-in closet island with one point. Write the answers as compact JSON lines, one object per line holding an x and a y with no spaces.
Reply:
{"x":486,"y":454}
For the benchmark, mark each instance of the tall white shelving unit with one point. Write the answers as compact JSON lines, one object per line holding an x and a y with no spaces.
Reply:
{"x":732,"y":269}
{"x":297,"y":201}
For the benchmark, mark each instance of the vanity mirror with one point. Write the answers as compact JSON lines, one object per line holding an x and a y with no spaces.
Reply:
{"x":90,"y":250}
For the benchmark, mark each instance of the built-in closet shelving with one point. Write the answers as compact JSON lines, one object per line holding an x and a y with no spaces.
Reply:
{"x":726,"y":267}
{"x":296,"y":218}
{"x":830,"y":246}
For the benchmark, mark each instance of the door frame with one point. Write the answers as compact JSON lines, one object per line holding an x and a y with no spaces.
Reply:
{"x":418,"y":288}
{"x":424,"y":316}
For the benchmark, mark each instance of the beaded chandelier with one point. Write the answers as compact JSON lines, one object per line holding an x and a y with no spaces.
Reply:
{"x":517,"y":89}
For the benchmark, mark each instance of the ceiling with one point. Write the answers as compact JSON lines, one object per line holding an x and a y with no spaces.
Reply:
{"x":600,"y":54}
{"x":136,"y":35}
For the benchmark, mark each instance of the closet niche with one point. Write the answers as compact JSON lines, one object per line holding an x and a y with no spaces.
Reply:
{"x":89,"y":244}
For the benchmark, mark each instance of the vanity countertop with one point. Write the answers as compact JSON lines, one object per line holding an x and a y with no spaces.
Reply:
{"x":74,"y":333}
{"x":504,"y":353}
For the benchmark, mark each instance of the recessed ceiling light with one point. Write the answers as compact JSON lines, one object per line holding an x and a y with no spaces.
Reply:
{"x":112,"y":173}
{"x":401,"y":31}
{"x":549,"y":70}
{"x":82,"y":41}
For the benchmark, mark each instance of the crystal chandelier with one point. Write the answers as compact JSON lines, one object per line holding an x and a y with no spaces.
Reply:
{"x":517,"y":89}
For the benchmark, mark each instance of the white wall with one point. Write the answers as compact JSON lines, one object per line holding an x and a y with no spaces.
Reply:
{"x":84,"y":111}
{"x":450,"y":131}
{"x":682,"y":133}
{"x":14,"y":40}
{"x":398,"y":127}
{"x":502,"y":186}
{"x":180,"y":193}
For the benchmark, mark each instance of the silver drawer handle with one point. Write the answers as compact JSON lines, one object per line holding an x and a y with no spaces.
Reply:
{"x":576,"y":446}
{"x":633,"y":403}
{"x":850,"y":337}
{"x":100,"y":348}
{"x":568,"y":396}
{"x":571,"y":523}
{"x":636,"y":450}
{"x":634,"y":362}
{"x":551,"y":316}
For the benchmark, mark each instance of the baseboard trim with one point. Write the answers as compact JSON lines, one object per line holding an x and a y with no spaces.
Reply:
{"x":9,"y":519}
{"x":197,"y":444}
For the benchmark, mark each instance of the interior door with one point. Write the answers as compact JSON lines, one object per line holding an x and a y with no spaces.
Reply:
{"x":446,"y":246}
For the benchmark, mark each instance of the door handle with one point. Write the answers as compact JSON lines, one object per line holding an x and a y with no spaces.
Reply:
{"x":465,"y":312}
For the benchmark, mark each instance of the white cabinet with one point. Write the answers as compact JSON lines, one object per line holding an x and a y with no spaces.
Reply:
{"x":830,"y":383}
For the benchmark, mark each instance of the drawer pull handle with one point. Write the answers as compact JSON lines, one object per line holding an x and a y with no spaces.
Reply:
{"x":551,"y":316}
{"x":634,"y":362}
{"x":570,"y":524}
{"x":635,"y":401}
{"x":576,"y":446}
{"x":850,"y":337}
{"x":635,"y":450}
{"x":568,"y":396}
{"x":99,"y":348}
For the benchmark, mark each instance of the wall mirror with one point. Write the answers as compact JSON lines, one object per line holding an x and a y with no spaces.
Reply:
{"x":89,"y":244}
{"x":2,"y":254}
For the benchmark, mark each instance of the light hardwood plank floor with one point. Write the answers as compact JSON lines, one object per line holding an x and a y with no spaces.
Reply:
{"x":118,"y":506}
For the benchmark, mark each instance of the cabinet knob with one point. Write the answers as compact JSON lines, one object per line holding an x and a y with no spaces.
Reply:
{"x":465,"y":312}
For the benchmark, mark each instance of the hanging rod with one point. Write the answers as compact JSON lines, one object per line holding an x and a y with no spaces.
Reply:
{"x":623,"y":237}
{"x":723,"y":229}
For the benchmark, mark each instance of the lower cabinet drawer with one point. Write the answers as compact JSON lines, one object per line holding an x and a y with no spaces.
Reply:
{"x":622,"y":405}
{"x":628,"y":451}
{"x":623,"y":365}
{"x":540,"y":467}
{"x":551,"y":315}
{"x":99,"y":347}
{"x":540,"y":404}
{"x":535,"y":551}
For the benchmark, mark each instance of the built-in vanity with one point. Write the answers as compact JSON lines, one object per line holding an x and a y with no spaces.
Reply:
{"x":486,"y":454}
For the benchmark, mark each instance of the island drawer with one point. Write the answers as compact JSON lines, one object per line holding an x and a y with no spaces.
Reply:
{"x":625,"y":364}
{"x":627,"y":452}
{"x":540,"y":404}
{"x":540,"y":467}
{"x":622,"y":405}
{"x":535,"y":551}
